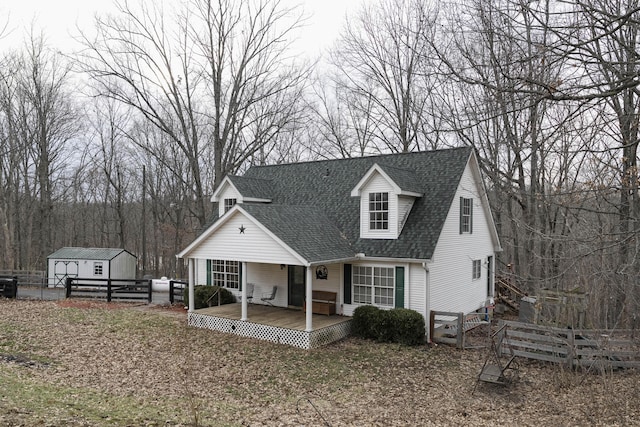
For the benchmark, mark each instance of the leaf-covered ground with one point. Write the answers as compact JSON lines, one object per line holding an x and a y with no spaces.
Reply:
{"x":95,"y":364}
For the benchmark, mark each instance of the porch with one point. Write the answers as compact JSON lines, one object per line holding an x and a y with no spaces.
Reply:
{"x":275,"y":324}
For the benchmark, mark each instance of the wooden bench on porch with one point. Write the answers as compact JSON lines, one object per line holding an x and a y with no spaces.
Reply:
{"x":323,"y":302}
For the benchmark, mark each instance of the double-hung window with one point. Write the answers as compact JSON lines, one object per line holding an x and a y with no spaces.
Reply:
{"x":466,"y":215}
{"x":373,"y":285}
{"x":476,"y":269}
{"x":225,"y":274}
{"x":228,"y":204}
{"x":378,"y":211}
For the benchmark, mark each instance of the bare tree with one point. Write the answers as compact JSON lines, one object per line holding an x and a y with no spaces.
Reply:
{"x":214,"y":77}
{"x":381,"y":58}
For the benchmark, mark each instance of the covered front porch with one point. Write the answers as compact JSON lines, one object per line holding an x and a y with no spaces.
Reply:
{"x":275,"y":324}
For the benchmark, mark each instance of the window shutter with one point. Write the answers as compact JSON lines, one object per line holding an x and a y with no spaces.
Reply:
{"x":399,"y":287}
{"x":347,"y":283}
{"x":461,"y":216}
{"x":240,"y":276}
{"x":470,"y":216}
{"x":208,"y":272}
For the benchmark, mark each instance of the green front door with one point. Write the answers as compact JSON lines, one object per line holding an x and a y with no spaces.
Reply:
{"x":296,"y":285}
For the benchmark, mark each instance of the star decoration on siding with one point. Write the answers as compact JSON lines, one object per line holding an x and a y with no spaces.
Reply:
{"x":242,"y":228}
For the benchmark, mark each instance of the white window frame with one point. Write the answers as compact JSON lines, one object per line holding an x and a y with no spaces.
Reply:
{"x":379,"y":211}
{"x":476,"y":269}
{"x":225,"y":274}
{"x":229,"y":203}
{"x":373,"y":285}
{"x":98,"y":268}
{"x":466,"y":213}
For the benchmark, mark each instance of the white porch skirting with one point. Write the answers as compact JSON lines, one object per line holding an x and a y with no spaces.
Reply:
{"x":295,"y":338}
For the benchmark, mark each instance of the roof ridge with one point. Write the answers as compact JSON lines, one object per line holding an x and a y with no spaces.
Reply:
{"x":363,"y":158}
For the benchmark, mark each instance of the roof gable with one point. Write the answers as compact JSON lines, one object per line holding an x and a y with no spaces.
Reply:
{"x":252,"y":190}
{"x":403,"y":182}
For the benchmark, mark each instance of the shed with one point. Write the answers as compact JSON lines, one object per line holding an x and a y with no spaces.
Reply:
{"x":93,"y":263}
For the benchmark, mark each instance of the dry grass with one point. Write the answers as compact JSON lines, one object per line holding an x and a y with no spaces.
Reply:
{"x":119,"y":365}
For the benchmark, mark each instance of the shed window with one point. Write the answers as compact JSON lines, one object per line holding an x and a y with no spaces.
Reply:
{"x":373,"y":285}
{"x":225,"y":273}
{"x":228,"y":204}
{"x":97,"y":269}
{"x":476,"y":267}
{"x":378,"y":211}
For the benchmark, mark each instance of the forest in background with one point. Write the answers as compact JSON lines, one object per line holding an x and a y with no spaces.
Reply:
{"x":121,"y":142}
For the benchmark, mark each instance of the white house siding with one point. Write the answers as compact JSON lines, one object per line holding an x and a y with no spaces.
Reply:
{"x":405,"y":204}
{"x":229,"y":192}
{"x":265,"y":277}
{"x":450,"y":273}
{"x":254,"y":245}
{"x":415,"y":289}
{"x":378,"y":184}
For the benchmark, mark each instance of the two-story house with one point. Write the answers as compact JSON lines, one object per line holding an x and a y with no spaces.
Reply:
{"x":409,"y":230}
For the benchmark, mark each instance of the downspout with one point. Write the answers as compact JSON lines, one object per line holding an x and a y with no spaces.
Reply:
{"x":427,"y":292}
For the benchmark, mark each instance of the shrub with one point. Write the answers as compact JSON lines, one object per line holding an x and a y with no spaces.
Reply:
{"x":408,"y":326}
{"x":399,"y":325}
{"x":384,"y":326}
{"x":364,"y":322}
{"x":203,"y":296}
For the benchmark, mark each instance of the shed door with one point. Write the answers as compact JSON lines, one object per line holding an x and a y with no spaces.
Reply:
{"x":296,"y":285}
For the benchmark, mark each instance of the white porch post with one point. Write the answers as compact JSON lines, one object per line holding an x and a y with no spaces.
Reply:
{"x":243,"y":316}
{"x":191,"y":270}
{"x":309,"y":300}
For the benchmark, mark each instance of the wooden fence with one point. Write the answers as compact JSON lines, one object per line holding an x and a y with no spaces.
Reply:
{"x":26,"y":277}
{"x":177,"y":291}
{"x":449,"y":327}
{"x":591,"y":349}
{"x":123,"y":289}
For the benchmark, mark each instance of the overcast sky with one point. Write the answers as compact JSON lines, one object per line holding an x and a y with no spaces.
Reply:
{"x":59,"y":17}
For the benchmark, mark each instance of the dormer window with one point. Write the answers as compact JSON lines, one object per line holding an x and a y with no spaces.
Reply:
{"x":378,"y":211}
{"x":228,"y":204}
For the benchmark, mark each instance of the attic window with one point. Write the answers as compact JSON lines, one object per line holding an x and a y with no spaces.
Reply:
{"x":378,"y":211}
{"x":466,"y":215}
{"x":228,"y":204}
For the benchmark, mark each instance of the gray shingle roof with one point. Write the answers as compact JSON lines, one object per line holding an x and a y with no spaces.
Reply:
{"x":405,"y":179}
{"x":104,"y":254}
{"x":313,"y":211}
{"x":251,"y":187}
{"x":305,"y":229}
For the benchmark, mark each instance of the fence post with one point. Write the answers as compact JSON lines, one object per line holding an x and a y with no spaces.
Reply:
{"x":108,"y":290}
{"x":68,"y":287}
{"x":432,"y":320}
{"x":150,"y":285}
{"x":571,"y":347}
{"x":460,"y":335}
{"x":171,"y":285}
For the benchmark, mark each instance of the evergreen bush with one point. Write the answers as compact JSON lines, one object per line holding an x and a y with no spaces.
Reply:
{"x":364,"y":322}
{"x":399,"y":325}
{"x":408,"y":326}
{"x":203,"y":296}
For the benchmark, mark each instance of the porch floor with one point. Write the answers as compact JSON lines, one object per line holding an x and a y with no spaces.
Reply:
{"x":273,"y":316}
{"x":275,"y":324}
